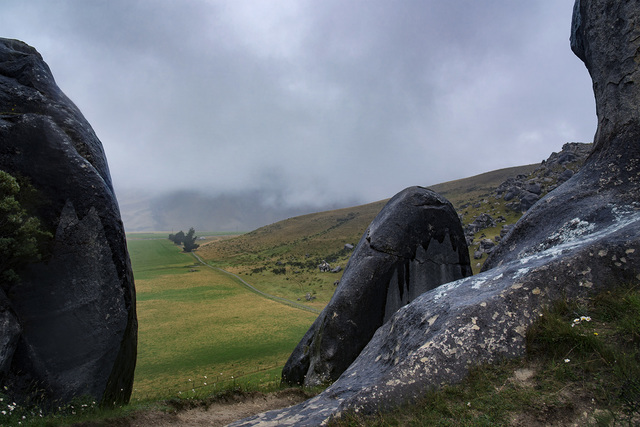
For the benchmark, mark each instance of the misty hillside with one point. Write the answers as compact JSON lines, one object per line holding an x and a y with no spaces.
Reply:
{"x":319,"y":233}
{"x":180,"y":210}
{"x":246,"y":211}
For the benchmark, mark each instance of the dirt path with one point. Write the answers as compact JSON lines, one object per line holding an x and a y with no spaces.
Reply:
{"x":258,"y":291}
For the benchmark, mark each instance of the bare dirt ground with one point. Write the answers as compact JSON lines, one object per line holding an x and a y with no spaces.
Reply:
{"x":218,"y":413}
{"x":233,"y":407}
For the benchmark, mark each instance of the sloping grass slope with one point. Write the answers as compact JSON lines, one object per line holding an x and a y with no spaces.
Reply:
{"x":282,"y":258}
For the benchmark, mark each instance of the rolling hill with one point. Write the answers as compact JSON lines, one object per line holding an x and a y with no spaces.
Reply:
{"x":310,"y":238}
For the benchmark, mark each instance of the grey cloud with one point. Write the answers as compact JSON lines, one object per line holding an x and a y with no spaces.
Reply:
{"x":314,"y":101}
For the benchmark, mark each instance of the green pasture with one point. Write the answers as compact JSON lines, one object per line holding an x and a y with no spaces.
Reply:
{"x":200,"y":330}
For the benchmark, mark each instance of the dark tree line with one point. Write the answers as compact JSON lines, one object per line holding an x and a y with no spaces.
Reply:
{"x":188,"y":241}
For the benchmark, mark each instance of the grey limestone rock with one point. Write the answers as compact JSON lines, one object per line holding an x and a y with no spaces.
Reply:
{"x":582,"y":238}
{"x":416,"y":243}
{"x":75,"y":310}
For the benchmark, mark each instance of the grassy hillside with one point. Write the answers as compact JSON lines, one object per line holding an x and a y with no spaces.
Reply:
{"x":282,"y":258}
{"x":470,"y":189}
{"x":326,"y":232}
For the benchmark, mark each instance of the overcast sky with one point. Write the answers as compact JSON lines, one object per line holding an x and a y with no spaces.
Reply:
{"x":317,"y":100}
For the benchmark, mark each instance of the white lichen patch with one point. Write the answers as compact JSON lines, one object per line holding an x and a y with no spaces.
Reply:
{"x":474,"y":326}
{"x":577,"y":233}
{"x":521,"y":272}
{"x":521,"y":330}
{"x":394,"y":382}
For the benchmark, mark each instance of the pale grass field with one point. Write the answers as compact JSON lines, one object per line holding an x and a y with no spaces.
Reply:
{"x":197,"y":324}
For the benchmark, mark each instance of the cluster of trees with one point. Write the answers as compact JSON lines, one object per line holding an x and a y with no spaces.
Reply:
{"x":188,"y":241}
{"x":22,"y":237}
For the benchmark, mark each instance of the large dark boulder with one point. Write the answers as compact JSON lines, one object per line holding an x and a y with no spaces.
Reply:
{"x":72,"y":318}
{"x":581,"y":238}
{"x":414,"y":244}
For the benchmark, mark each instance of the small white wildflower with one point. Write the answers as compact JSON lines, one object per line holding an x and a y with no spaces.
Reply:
{"x":567,"y":360}
{"x":205,"y":383}
{"x":4,"y":412}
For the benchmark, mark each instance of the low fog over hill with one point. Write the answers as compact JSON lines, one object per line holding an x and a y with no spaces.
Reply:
{"x":177,"y":210}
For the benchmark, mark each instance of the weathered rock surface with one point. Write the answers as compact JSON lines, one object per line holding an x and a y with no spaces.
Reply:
{"x":73,"y":315}
{"x":416,"y":243}
{"x":581,"y":238}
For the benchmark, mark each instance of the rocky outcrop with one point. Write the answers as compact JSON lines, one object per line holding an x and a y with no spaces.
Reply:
{"x":69,"y":329}
{"x":481,"y":222}
{"x":581,"y":238}
{"x":523,"y":191}
{"x":415,"y":244}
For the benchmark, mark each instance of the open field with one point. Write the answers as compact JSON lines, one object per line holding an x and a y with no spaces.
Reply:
{"x":200,"y":330}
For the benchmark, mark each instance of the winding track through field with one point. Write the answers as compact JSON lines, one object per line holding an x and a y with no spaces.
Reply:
{"x":258,"y":291}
